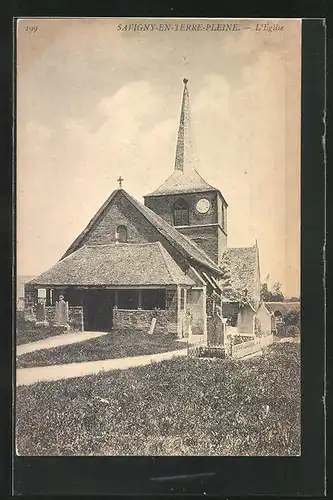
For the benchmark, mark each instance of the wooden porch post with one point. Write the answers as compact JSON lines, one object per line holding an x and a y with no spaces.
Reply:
{"x":140,"y":299}
{"x":204,"y":312}
{"x":179,"y":315}
{"x":116,"y":299}
{"x":48,"y":297}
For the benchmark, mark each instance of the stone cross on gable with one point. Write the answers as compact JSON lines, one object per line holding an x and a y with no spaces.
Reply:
{"x":120,"y":180}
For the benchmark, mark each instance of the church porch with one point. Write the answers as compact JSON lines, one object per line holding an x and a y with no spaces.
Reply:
{"x":107,"y":308}
{"x":115,"y":286}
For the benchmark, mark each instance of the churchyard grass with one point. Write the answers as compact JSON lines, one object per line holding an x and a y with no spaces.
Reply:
{"x":28,"y":332}
{"x":118,"y":344}
{"x":185,"y":406}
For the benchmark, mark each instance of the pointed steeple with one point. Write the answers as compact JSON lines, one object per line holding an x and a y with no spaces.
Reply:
{"x":184,"y":153}
{"x":184,"y":178}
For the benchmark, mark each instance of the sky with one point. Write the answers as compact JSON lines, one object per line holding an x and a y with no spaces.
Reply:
{"x":95,"y":102}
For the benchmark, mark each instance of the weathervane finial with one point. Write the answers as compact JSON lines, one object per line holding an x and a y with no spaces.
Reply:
{"x":185,"y":80}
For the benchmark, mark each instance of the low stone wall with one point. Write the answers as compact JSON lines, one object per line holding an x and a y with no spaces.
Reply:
{"x":139,"y":319}
{"x":75,"y":317}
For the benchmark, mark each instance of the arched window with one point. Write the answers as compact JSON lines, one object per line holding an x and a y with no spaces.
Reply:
{"x":122,"y":234}
{"x":278,"y":316}
{"x":180,"y":213}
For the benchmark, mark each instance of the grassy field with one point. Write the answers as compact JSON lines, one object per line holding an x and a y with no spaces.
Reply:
{"x":110,"y":346}
{"x":179,"y":407}
{"x":27,"y":332}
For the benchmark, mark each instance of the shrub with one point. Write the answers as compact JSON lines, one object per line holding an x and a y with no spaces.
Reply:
{"x":292,"y":317}
{"x":292,"y":331}
{"x":280,"y":330}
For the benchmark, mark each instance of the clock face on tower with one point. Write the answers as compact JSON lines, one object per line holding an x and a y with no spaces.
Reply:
{"x":203,"y":206}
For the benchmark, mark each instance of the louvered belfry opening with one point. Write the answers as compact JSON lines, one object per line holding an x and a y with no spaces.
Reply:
{"x":181,"y":213}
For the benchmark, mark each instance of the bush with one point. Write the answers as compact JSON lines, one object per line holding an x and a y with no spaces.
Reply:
{"x":280,"y":330}
{"x":292,"y":331}
{"x":292,"y":318}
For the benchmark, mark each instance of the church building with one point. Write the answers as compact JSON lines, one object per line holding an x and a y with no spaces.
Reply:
{"x":166,"y":259}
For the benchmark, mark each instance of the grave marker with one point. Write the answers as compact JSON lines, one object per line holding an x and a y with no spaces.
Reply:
{"x":61,"y":313}
{"x":41,"y":313}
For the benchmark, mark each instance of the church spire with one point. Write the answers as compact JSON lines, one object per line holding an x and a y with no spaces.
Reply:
{"x":184,"y":154}
{"x":184,"y":178}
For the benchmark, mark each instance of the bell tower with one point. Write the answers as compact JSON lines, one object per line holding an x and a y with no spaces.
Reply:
{"x":186,"y":201}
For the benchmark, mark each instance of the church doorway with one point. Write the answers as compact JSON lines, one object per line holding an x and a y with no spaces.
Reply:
{"x":98,"y":310}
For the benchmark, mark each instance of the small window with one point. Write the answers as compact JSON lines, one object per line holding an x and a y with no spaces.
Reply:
{"x":122,"y":234}
{"x":278,"y":317}
{"x":180,"y":213}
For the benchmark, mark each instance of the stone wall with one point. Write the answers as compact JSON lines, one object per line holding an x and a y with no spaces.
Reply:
{"x":207,"y":238}
{"x":75,"y":317}
{"x":139,"y":230}
{"x":139,"y":319}
{"x":210,"y":238}
{"x":163,"y":206}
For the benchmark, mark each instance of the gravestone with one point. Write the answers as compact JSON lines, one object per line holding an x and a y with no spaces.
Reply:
{"x":41,"y":313}
{"x":152,"y":326}
{"x":61,"y":313}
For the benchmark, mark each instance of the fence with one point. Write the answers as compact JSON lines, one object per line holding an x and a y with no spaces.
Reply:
{"x":251,"y":347}
{"x":202,"y":350}
{"x":245,"y":348}
{"x":237,"y":351}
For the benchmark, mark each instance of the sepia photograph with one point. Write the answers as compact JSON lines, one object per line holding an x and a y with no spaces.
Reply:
{"x":158,"y":166}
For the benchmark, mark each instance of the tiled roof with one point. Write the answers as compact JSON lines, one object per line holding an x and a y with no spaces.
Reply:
{"x":183,"y":244}
{"x":184,"y":178}
{"x":188,"y":181}
{"x":118,"y":264}
{"x":243,"y":264}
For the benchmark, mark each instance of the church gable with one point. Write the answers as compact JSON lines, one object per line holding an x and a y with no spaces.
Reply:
{"x":124,"y":219}
{"x":241,"y":267}
{"x":120,"y":220}
{"x":117,"y":220}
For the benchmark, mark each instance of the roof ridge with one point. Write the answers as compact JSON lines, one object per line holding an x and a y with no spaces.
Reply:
{"x":144,"y":208}
{"x":179,"y":175}
{"x":106,"y":265}
{"x":126,"y":243}
{"x":176,"y":238}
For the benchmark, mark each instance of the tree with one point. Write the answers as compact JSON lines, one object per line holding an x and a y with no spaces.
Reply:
{"x":274,"y":295}
{"x":265,"y":294}
{"x":277,"y":294}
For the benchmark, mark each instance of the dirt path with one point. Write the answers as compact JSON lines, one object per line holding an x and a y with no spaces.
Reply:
{"x":50,"y":342}
{"x":28,"y":376}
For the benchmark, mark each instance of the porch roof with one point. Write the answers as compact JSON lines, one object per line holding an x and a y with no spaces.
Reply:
{"x":117,"y":264}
